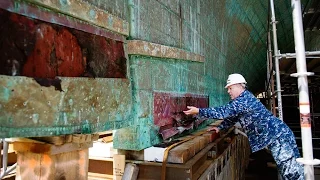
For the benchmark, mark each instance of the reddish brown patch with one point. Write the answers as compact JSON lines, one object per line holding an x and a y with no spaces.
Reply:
{"x":165,"y":105}
{"x":43,"y":50}
{"x":68,"y":55}
{"x":39,"y":63}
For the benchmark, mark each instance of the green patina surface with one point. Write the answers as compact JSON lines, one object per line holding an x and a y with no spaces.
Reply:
{"x":83,"y":10}
{"x":85,"y":105}
{"x":230,"y":34}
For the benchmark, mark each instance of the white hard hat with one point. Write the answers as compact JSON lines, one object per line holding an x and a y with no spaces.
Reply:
{"x":235,"y":79}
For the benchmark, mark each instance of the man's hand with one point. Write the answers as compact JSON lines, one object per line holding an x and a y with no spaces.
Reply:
{"x":214,"y":129}
{"x":192,"y":110}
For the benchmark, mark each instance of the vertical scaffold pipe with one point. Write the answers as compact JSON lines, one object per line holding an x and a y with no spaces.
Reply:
{"x":304,"y":105}
{"x":276,"y":53}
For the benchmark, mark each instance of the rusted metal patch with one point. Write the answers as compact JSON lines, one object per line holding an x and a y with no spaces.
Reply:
{"x":138,"y":47}
{"x":168,"y":115}
{"x":42,"y":14}
{"x":35,"y":48}
{"x":87,"y":12}
{"x":85,"y":105}
{"x":165,"y":105}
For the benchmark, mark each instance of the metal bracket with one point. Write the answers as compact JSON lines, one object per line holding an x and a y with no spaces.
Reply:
{"x":308,"y":162}
{"x":302,"y":74}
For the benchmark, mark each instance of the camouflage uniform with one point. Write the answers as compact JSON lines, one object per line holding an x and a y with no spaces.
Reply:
{"x":263,"y":130}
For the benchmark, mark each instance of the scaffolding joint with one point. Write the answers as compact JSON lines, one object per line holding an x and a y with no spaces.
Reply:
{"x":274,"y":22}
{"x":308,"y":162}
{"x":302,"y":74}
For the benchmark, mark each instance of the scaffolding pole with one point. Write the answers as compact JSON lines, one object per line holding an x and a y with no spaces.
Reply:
{"x":276,"y":57}
{"x":293,"y":55}
{"x":270,"y":78}
{"x":304,"y":105}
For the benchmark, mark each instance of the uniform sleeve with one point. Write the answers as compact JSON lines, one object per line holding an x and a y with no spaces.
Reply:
{"x":231,"y":110}
{"x":227,"y":123}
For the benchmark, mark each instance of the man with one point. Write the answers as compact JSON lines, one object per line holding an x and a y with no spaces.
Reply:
{"x":262,"y":128}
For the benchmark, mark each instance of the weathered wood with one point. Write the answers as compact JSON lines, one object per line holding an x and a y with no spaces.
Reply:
{"x":68,"y":166}
{"x":231,"y":163}
{"x":97,"y":176}
{"x":130,"y":172}
{"x":107,"y":139}
{"x":203,"y":168}
{"x":152,"y":170}
{"x":48,"y":148}
{"x":181,"y":153}
{"x":71,"y":138}
{"x":101,"y":165}
{"x":105,"y":133}
{"x":118,"y":166}
{"x":211,"y":136}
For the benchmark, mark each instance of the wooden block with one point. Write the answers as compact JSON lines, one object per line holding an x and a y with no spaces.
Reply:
{"x":196,"y":143}
{"x":60,"y":140}
{"x":105,"y":133}
{"x":49,"y":148}
{"x":203,"y":142}
{"x":212,"y":135}
{"x":68,"y":166}
{"x":190,"y":146}
{"x":107,"y":139}
{"x":118,"y":166}
{"x":179,"y":154}
{"x":57,"y":140}
{"x":130,"y":172}
{"x":98,"y":176}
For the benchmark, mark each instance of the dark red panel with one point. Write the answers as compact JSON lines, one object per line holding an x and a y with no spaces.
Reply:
{"x":166,"y":105}
{"x":35,"y":48}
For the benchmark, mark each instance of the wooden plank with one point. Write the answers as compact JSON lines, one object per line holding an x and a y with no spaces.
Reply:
{"x":49,"y":148}
{"x":107,"y":139}
{"x":188,"y":164}
{"x":130,"y":172}
{"x":101,"y":166}
{"x":118,"y":166}
{"x":71,"y":138}
{"x":202,"y":169}
{"x":97,"y":176}
{"x":180,"y":154}
{"x":154,"y":173}
{"x":68,"y":166}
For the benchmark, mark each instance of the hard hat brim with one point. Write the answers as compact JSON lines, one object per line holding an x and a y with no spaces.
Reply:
{"x":233,"y":84}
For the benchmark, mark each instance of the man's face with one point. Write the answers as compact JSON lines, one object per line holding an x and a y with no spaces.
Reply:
{"x":235,"y":90}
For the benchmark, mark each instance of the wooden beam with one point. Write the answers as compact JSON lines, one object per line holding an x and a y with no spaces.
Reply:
{"x":98,"y":176}
{"x":67,"y":166}
{"x":48,"y":148}
{"x":118,"y":166}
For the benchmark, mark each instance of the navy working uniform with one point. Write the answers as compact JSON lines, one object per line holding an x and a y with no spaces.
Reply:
{"x":263,"y":130}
